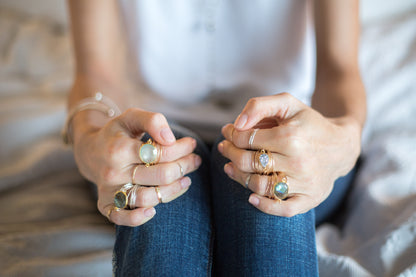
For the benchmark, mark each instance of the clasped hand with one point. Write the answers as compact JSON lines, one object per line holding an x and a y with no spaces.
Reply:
{"x":312,"y":151}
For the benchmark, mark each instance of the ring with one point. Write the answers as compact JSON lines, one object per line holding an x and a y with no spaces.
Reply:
{"x":133,"y":196}
{"x":110,"y":211}
{"x":149,"y":153}
{"x":121,"y":198}
{"x":262,"y":162}
{"x":181,"y":169}
{"x":247,"y":180}
{"x":133,"y":176}
{"x":159,"y":195}
{"x":279,"y":189}
{"x":251,"y":139}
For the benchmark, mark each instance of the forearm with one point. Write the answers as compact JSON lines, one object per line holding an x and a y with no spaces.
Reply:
{"x":340,"y":95}
{"x":339,"y":91}
{"x":101,"y":56}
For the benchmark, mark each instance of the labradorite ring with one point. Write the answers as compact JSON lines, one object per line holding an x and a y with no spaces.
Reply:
{"x":280,"y":188}
{"x":121,"y":197}
{"x":149,"y":153}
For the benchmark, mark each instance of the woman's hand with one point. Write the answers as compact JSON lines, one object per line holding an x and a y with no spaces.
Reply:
{"x":107,"y":157}
{"x":310,"y":149}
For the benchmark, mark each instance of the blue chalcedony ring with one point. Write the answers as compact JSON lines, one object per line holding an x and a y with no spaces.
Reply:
{"x":149,"y":153}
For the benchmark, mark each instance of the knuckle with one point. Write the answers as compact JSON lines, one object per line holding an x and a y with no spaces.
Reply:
{"x":254,"y":102}
{"x":289,"y":211}
{"x":156,"y":119}
{"x":109,"y":174}
{"x":142,"y":199}
{"x":165,"y":175}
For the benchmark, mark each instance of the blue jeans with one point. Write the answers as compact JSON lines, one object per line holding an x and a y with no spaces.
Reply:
{"x":213,"y":230}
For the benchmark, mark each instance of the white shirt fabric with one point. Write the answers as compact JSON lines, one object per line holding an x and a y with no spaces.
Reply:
{"x":203,"y":59}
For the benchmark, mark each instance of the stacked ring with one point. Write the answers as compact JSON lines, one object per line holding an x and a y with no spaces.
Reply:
{"x":149,"y":153}
{"x":121,"y":197}
{"x":262,"y":162}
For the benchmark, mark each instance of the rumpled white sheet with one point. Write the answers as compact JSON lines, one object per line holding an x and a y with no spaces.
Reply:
{"x":49,"y":225}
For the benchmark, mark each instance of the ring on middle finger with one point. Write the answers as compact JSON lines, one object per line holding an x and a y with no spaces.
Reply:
{"x":278,"y":188}
{"x":149,"y":153}
{"x":262,"y":162}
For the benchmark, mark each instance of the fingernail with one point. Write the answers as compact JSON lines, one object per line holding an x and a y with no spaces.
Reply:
{"x":198,"y":161}
{"x":185,"y":182}
{"x":229,"y":170}
{"x":241,"y":121}
{"x":253,"y":200}
{"x":193,"y":143}
{"x":221,"y":147}
{"x":150,"y":212}
{"x":167,"y":135}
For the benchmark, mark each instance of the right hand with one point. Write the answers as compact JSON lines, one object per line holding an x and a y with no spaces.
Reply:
{"x":107,"y":157}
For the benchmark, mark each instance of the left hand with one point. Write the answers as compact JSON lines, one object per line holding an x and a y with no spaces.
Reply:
{"x":310,"y":149}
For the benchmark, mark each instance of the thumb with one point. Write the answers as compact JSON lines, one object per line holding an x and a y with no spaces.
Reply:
{"x":136,"y":121}
{"x":280,"y":106}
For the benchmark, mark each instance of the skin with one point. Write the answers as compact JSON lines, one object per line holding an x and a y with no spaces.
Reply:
{"x":313,"y":146}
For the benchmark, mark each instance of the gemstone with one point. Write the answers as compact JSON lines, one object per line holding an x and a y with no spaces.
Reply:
{"x":120,"y":200}
{"x":148,"y":153}
{"x":264,"y":160}
{"x":281,"y":190}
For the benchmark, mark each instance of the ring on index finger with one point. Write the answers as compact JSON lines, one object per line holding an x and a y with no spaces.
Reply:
{"x":251,"y":139}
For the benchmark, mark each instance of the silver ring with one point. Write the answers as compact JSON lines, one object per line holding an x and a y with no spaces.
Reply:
{"x":247,"y":180}
{"x":251,"y":139}
{"x":181,"y":169}
{"x":132,"y":196}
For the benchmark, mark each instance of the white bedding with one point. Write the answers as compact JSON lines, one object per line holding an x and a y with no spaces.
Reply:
{"x":49,"y":225}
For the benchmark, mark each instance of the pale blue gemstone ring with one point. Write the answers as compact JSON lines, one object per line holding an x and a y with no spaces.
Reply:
{"x":149,"y":153}
{"x":262,"y":162}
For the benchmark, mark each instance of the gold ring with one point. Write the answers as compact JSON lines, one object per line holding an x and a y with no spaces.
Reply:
{"x":109,"y":212}
{"x":149,"y":153}
{"x":133,"y":176}
{"x":121,"y":197}
{"x":251,"y":139}
{"x":262,"y":162}
{"x":159,"y":195}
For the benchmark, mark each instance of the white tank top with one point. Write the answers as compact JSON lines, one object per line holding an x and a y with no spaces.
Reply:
{"x":203,"y":59}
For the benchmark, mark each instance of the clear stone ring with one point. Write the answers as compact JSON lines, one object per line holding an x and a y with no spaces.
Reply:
{"x":262,"y":162}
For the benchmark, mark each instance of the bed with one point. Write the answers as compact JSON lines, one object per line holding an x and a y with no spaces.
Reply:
{"x":49,"y":224}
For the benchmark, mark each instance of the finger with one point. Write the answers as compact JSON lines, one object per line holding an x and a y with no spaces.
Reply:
{"x":243,"y":159}
{"x":281,"y":106}
{"x":130,"y":218}
{"x":166,"y":173}
{"x":294,"y":205}
{"x":125,"y":150}
{"x":254,"y":182}
{"x":136,"y":121}
{"x":260,"y":184}
{"x":148,"y":197}
{"x":279,"y":139}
